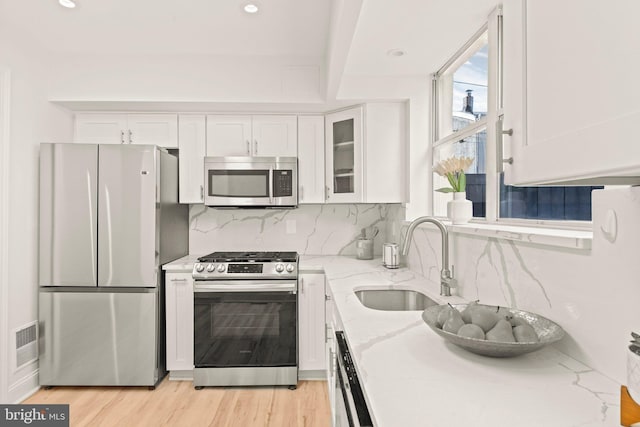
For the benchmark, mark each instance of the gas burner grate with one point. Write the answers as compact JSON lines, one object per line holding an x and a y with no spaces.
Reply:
{"x":250,"y":257}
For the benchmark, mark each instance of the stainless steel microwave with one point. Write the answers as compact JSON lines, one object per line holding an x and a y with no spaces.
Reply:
{"x":251,"y":182}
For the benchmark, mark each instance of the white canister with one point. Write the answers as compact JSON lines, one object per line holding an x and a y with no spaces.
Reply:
{"x":390,"y":255}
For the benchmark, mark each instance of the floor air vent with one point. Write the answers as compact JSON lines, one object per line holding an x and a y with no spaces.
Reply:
{"x":26,"y":344}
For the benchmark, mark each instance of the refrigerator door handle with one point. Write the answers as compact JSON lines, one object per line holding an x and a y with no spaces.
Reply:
{"x":92,"y":230}
{"x":108,"y":237}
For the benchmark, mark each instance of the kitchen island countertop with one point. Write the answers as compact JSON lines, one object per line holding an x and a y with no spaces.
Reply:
{"x":412,"y":377}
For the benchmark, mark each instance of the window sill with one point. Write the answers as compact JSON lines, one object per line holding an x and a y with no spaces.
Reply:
{"x":572,"y":239}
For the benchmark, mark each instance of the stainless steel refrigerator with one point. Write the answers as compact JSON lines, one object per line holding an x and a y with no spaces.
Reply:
{"x":109,"y":219}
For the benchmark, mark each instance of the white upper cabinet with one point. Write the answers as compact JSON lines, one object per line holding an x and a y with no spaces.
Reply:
{"x":259,"y":135}
{"x":114,"y":128}
{"x":385,"y":152}
{"x":191,"y":142}
{"x":344,"y":156}
{"x":101,"y":128}
{"x":275,"y":135}
{"x":310,"y":159}
{"x":228,"y":135}
{"x":366,"y":154}
{"x":571,"y":91}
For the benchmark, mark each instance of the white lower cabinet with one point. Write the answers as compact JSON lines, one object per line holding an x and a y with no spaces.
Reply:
{"x":311,"y":322}
{"x":179,"y":322}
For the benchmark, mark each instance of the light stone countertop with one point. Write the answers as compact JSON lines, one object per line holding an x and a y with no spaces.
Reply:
{"x":182,"y":265}
{"x":412,"y":377}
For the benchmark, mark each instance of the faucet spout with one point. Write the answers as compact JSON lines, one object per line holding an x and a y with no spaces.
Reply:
{"x":446,"y":274}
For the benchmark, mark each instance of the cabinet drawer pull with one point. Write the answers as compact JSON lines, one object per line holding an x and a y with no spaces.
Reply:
{"x":201,"y":193}
{"x":248,"y":148}
{"x":179,"y":280}
{"x":255,"y":147}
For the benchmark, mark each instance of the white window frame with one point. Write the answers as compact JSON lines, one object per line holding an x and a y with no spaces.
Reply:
{"x":490,"y":123}
{"x":438,"y":95}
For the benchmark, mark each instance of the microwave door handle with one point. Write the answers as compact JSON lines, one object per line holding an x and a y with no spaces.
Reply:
{"x":271,"y":185}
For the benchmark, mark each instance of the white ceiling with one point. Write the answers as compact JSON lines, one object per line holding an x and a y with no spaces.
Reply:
{"x":430,"y":31}
{"x":212,"y":27}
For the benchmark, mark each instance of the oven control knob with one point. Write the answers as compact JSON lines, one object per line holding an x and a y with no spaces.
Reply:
{"x":279,"y":268}
{"x":210,"y":268}
{"x":290,"y":268}
{"x":199,"y":268}
{"x":220,"y":268}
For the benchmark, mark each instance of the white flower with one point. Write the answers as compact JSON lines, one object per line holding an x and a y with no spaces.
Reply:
{"x":453,"y":168}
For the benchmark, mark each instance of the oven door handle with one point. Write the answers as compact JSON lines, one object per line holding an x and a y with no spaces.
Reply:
{"x":246,"y":286}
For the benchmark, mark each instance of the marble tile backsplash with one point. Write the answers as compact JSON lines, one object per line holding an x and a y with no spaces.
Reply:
{"x":330,"y":229}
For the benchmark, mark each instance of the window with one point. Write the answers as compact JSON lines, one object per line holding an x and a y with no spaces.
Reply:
{"x":467,"y":94}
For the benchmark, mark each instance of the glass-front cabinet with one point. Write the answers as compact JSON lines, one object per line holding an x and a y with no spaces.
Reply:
{"x":344,"y":156}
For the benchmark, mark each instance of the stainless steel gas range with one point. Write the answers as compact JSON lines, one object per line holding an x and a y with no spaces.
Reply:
{"x":245,"y":319}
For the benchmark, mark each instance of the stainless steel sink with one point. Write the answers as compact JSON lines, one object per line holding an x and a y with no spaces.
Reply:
{"x":394,"y":299}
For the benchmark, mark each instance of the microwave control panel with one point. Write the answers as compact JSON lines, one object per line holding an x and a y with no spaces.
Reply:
{"x":282,"y":182}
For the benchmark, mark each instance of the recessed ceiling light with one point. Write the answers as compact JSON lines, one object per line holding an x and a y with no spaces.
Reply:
{"x":250,"y":8}
{"x":396,"y":53}
{"x":67,"y":3}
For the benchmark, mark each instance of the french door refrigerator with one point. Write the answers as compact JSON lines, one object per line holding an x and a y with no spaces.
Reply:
{"x":109,"y":219}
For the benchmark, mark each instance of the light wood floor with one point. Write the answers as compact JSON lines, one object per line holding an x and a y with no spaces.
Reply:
{"x":177,"y":403}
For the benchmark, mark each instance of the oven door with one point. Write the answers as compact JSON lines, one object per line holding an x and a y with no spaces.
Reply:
{"x":245,"y":324}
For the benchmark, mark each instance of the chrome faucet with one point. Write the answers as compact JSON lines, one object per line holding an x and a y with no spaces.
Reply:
{"x":446,"y":275}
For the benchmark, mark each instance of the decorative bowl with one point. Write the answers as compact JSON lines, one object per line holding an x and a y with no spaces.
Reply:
{"x":548,"y":332}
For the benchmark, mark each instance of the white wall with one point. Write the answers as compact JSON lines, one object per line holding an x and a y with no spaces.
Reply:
{"x":593,"y":294}
{"x":33,"y":120}
{"x":192,"y":78}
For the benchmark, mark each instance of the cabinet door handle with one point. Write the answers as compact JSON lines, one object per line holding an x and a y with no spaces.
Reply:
{"x":248,"y":148}
{"x":201,"y":193}
{"x":327,"y":190}
{"x":121,"y":137}
{"x":500,"y":132}
{"x":130,"y":136}
{"x":255,"y":147}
